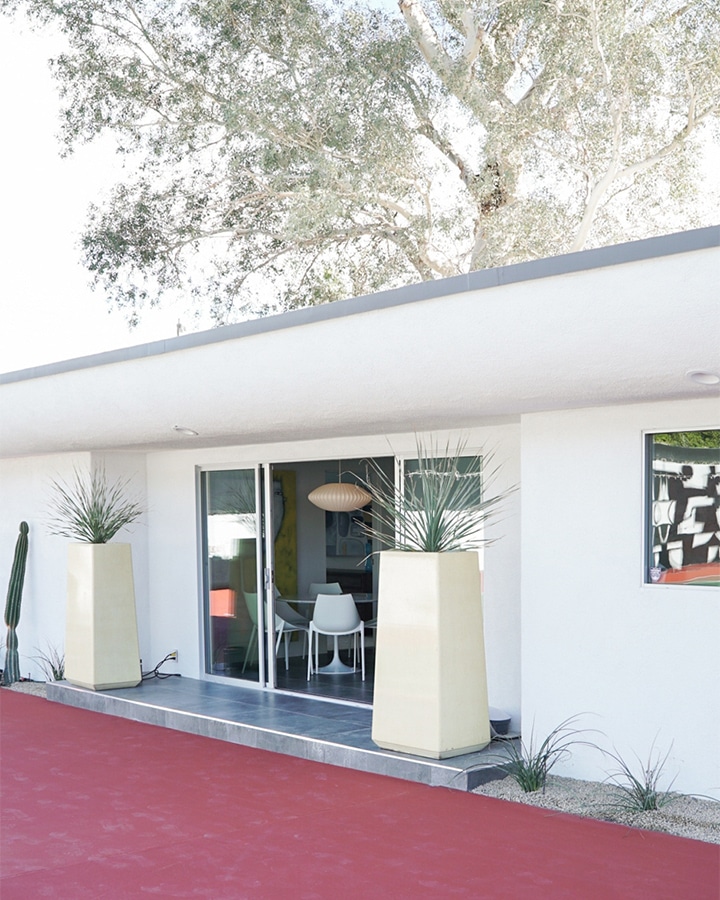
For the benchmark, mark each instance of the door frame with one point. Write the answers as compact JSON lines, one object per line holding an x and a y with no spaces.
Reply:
{"x":267,"y":555}
{"x":265,"y":565}
{"x":204,"y":624}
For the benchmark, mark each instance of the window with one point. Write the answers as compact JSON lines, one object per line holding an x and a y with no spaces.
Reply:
{"x":683,"y":508}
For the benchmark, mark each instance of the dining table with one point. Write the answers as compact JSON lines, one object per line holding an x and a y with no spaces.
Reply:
{"x":336,"y":666}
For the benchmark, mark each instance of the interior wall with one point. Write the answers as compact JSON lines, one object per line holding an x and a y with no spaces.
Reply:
{"x":311,"y":526}
{"x":640,"y":663}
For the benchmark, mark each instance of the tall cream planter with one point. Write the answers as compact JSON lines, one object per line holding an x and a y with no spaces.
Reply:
{"x":430,"y":694}
{"x":101,"y":640}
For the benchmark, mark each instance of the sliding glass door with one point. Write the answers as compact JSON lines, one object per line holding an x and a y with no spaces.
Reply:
{"x":264,"y":544}
{"x":233,"y":574}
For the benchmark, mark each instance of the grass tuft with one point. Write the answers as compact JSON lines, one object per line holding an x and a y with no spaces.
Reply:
{"x":51,"y":662}
{"x":529,"y":765}
{"x":641,"y":792}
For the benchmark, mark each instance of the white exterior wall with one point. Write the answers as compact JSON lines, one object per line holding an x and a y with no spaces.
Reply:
{"x":166,"y":550}
{"x":175,"y":615}
{"x":643,"y":661}
{"x":173,"y":553}
{"x":24,"y":495}
{"x":131,"y":467}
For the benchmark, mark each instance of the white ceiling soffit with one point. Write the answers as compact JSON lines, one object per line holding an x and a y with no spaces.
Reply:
{"x":582,"y":330}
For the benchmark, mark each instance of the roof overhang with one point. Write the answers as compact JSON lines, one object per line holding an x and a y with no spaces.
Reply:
{"x":618,"y":325}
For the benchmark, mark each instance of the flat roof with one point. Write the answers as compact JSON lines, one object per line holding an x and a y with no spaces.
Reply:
{"x":584,"y":260}
{"x":614,"y":326}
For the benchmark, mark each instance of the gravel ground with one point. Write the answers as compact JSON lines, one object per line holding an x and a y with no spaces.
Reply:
{"x":684,"y":816}
{"x":28,"y":687}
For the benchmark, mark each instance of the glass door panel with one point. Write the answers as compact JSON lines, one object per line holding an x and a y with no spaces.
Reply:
{"x":232,"y":549}
{"x":280,"y":559}
{"x":263,"y":544}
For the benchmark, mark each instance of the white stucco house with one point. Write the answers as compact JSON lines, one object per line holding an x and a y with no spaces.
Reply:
{"x":601,"y":595}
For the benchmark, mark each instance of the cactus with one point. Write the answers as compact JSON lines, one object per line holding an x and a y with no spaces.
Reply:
{"x":11,"y":672}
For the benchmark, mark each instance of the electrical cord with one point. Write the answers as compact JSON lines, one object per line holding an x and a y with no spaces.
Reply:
{"x":156,"y":673}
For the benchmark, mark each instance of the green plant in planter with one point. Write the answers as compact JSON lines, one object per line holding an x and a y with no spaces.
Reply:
{"x":443,"y":505}
{"x":91,"y":509}
{"x":101,"y":635}
{"x":430,"y":694}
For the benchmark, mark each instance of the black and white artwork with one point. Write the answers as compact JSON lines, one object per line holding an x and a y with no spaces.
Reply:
{"x":685,"y":520}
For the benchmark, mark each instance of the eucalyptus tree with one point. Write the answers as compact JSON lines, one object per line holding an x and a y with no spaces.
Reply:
{"x":267,"y":148}
{"x":588,"y":106}
{"x":284,"y":153}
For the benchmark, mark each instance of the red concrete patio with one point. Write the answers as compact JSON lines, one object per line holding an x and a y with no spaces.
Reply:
{"x":95,"y":806}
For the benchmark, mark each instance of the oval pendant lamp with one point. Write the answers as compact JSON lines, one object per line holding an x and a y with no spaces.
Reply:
{"x":339,"y":497}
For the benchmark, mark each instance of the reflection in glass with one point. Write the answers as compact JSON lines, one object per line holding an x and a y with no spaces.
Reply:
{"x":684,"y":508}
{"x":231,"y":572}
{"x":464,"y":490}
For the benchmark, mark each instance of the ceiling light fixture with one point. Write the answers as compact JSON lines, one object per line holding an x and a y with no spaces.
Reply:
{"x":181,"y":429}
{"x":701,"y":376}
{"x":339,"y":497}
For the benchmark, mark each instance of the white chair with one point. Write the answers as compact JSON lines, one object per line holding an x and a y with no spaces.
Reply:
{"x":335,"y":615}
{"x":369,"y":625}
{"x":292,"y":621}
{"x":283,"y":627}
{"x":317,"y":588}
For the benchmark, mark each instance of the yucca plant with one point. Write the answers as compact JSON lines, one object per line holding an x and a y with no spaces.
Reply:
{"x":529,"y":765}
{"x":640,"y":792}
{"x":443,"y":505}
{"x":91,"y":509}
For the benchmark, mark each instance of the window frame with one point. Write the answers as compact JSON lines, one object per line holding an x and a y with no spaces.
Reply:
{"x":647,"y":499}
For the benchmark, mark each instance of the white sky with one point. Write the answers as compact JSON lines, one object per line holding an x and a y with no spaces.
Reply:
{"x":48,"y":311}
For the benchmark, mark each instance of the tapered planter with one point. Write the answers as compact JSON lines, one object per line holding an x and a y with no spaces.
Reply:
{"x":101,"y":640}
{"x":430,"y":694}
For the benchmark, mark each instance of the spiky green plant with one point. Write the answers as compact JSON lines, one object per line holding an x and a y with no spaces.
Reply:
{"x":91,"y":509}
{"x":641,"y":792}
{"x":11,"y":672}
{"x":51,"y":662}
{"x":443,"y":504}
{"x":529,"y":765}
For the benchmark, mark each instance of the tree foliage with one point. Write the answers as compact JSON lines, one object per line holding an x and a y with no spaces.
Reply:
{"x":282,"y":154}
{"x":696,"y":439}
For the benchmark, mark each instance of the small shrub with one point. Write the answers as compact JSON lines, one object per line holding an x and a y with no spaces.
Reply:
{"x":52,"y":663}
{"x":639,"y":793}
{"x":529,"y":766}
